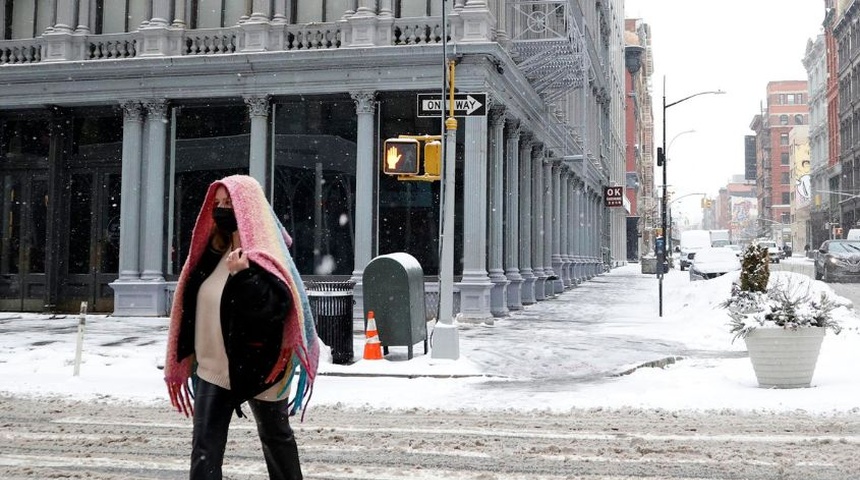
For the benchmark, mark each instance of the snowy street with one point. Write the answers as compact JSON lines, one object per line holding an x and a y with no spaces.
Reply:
{"x":552,"y":390}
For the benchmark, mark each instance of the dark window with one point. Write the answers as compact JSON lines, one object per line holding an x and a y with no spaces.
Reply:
{"x":783,"y":139}
{"x":784,"y":158}
{"x":784,"y":178}
{"x":783,"y":119}
{"x":211,"y":143}
{"x":786,"y":198}
{"x":314,"y":192}
{"x":798,"y":119}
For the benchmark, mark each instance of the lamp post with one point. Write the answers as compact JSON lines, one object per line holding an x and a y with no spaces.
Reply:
{"x":661,"y":159}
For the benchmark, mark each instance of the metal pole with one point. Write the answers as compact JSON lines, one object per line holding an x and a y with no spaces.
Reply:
{"x":82,"y":323}
{"x":661,"y":257}
{"x":446,"y":342}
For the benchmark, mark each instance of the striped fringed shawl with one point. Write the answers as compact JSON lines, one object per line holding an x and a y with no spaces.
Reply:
{"x":265,"y":242}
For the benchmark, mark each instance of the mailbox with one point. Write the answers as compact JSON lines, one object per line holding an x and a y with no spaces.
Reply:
{"x":393,"y":287}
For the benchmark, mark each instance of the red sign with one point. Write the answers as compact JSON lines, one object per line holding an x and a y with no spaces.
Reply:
{"x":613,"y":196}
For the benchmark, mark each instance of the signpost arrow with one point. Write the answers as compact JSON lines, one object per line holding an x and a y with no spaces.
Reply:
{"x":465,"y":105}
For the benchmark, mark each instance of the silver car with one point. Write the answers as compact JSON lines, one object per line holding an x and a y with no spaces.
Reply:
{"x":713,"y":262}
{"x":838,"y":260}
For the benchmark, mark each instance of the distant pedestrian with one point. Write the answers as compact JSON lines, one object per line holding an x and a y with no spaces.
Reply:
{"x":240,"y":330}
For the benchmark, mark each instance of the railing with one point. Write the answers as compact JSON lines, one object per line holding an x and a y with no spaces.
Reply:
{"x":20,"y":51}
{"x":418,"y":31}
{"x":116,"y":45}
{"x":211,"y":41}
{"x":313,"y":36}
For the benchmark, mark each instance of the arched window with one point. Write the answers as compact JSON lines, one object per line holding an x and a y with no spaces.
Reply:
{"x":798,"y":119}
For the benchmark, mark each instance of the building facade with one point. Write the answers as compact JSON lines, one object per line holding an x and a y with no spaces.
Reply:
{"x":786,"y":107}
{"x":846,"y":34}
{"x":639,"y":123}
{"x":113,"y":121}
{"x":823,"y":176}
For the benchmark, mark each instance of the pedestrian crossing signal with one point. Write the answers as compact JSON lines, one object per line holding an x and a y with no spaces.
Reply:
{"x":433,"y":158}
{"x":401,"y":156}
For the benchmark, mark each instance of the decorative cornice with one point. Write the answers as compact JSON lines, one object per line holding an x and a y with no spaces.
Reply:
{"x":365,"y":102}
{"x":512,"y":127}
{"x":258,"y":105}
{"x":132,"y":110}
{"x":156,"y":107}
{"x":497,"y":114}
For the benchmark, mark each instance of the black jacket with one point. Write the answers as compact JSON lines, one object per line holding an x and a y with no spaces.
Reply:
{"x":254,"y":306}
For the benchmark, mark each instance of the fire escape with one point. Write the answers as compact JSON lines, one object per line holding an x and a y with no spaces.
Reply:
{"x":552,"y":52}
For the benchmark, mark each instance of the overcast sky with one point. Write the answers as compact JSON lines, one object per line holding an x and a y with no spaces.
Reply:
{"x":737,"y":46}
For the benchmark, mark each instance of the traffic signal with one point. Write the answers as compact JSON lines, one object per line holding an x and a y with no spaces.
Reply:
{"x":401,"y":156}
{"x":661,"y":157}
{"x":433,"y":158}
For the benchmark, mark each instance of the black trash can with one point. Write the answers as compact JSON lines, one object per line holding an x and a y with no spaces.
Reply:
{"x":331,"y":304}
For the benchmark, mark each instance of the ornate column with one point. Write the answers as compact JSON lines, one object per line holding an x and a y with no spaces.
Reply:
{"x":537,"y":224}
{"x":512,"y":220}
{"x":498,"y":297}
{"x":477,"y":22}
{"x":258,"y":111}
{"x":555,"y":222}
{"x":153,"y":250}
{"x":280,"y":14}
{"x":475,"y":284}
{"x":528,"y":285}
{"x":132,"y":296}
{"x":83,"y":26}
{"x":59,"y":42}
{"x":501,"y":23}
{"x":592,"y":233}
{"x":179,"y":20}
{"x":363,"y":26}
{"x":365,"y":109}
{"x":256,"y":29}
{"x":158,"y":38}
{"x":578,"y":229}
{"x":564,"y":221}
{"x":129,"y":220}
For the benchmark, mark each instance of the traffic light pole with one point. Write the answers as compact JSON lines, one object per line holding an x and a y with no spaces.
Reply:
{"x":446,"y":340}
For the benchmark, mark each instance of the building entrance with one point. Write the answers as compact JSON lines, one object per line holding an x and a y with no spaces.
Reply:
{"x":92,"y":244}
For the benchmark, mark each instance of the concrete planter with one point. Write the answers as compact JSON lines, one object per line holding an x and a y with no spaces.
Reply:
{"x":784,"y":358}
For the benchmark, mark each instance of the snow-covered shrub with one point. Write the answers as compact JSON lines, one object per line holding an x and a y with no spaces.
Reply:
{"x":783,"y":301}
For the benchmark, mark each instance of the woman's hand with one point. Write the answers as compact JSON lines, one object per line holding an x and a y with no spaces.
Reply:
{"x":237,"y":261}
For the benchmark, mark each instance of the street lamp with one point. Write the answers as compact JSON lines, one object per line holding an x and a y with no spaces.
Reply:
{"x":661,"y":160}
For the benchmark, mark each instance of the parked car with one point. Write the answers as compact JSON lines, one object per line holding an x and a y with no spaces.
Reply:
{"x":713,"y":262}
{"x":838,"y":260}
{"x":774,"y":253}
{"x":735,"y":248}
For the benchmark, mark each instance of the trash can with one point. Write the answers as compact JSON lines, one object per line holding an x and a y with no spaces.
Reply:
{"x":331,"y":304}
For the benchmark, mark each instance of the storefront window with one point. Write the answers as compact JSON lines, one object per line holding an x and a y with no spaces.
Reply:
{"x":314,"y":189}
{"x":211,"y":143}
{"x":409,"y":211}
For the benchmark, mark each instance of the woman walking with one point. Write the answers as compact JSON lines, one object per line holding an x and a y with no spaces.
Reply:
{"x":240,"y":330}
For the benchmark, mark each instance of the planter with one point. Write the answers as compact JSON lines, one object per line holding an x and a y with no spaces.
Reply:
{"x":784,"y":358}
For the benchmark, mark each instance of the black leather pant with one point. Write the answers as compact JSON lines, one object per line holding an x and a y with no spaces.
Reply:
{"x":212,"y":414}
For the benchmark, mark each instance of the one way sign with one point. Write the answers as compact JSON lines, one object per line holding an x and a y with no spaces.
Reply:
{"x":613,"y":196}
{"x":465,"y":105}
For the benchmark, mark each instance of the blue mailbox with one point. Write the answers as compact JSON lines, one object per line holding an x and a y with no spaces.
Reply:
{"x":393,"y":288}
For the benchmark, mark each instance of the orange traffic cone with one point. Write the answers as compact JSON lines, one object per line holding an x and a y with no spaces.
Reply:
{"x":372,"y":347}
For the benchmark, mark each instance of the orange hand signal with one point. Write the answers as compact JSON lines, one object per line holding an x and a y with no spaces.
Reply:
{"x":392,"y":158}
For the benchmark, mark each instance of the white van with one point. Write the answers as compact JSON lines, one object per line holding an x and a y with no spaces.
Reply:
{"x":853,"y":234}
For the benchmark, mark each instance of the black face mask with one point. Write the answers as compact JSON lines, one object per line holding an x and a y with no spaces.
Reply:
{"x":225,"y":219}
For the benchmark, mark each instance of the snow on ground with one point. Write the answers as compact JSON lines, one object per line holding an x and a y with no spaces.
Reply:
{"x":567,"y":352}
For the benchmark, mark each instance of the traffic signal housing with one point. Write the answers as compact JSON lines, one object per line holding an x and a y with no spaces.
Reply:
{"x":401,"y":156}
{"x":661,"y":157}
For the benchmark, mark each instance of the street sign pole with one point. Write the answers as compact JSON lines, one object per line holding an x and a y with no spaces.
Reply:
{"x":446,"y":339}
